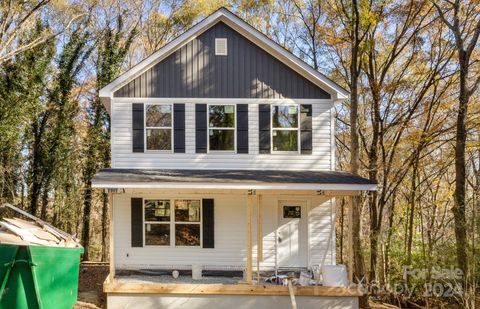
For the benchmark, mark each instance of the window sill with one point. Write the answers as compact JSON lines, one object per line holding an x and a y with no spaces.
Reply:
{"x":286,"y":152}
{"x":221,"y":152}
{"x":159,"y":151}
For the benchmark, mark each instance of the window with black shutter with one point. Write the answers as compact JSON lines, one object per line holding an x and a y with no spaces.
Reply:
{"x":306,"y":129}
{"x":208,"y":223}
{"x":242,"y":128}
{"x":138,"y":130}
{"x":136,"y":222}
{"x":179,"y":128}
{"x":264,"y":128}
{"x":201,"y":128}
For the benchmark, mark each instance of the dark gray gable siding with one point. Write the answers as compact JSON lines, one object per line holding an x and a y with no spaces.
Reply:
{"x":248,"y":71}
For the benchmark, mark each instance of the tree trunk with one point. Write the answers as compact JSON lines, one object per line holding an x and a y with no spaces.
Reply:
{"x":411,"y":215}
{"x":355,"y":202}
{"x":36,"y":181}
{"x":43,"y":211}
{"x":460,"y":173}
{"x":389,"y":239}
{"x":87,"y":208}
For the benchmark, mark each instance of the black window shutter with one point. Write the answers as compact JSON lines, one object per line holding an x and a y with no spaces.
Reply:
{"x":137,"y":127}
{"x":179,"y":128}
{"x":137,"y":221}
{"x":306,"y":128}
{"x":264,"y":128}
{"x":201,"y":128}
{"x":208,"y":223}
{"x":242,"y":128}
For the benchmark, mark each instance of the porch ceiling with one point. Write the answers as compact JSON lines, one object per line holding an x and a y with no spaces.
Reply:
{"x":230,"y":179}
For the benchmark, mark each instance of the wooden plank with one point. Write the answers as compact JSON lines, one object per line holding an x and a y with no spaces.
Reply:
{"x":117,"y":287}
{"x":43,"y":224}
{"x":279,"y":193}
{"x":292,"y":294}
{"x":12,"y":239}
{"x":310,"y":192}
{"x":248,"y":275}
{"x":33,"y":228}
{"x":259,"y":237}
{"x":182,"y":192}
{"x":259,"y":229}
{"x":111,"y":251}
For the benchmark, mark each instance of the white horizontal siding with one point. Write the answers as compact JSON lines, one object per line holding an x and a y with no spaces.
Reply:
{"x":123,"y":157}
{"x":321,"y":233}
{"x":230,"y":235}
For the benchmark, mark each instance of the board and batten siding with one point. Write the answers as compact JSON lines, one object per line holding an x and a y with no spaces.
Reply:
{"x":194,"y":71}
{"x":230,"y":235}
{"x":320,"y":159}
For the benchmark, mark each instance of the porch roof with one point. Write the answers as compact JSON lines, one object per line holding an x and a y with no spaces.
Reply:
{"x":230,"y":179}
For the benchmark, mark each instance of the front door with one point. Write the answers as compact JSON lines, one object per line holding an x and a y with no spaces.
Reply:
{"x":292,"y":234}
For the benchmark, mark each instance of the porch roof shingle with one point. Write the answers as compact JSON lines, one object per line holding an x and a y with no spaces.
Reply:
{"x":117,"y":177}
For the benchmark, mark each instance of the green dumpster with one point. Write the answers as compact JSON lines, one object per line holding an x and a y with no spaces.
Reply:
{"x":38,"y":276}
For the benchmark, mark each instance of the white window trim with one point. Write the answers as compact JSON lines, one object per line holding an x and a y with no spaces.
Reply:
{"x":172,"y":222}
{"x":161,"y":128}
{"x":299,"y":147}
{"x":234,"y":151}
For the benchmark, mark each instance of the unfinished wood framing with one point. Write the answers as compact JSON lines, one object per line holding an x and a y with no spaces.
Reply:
{"x":226,"y":289}
{"x":111,"y":244}
{"x":259,"y":235}
{"x":280,"y":193}
{"x":289,"y":193}
{"x":248,"y":275}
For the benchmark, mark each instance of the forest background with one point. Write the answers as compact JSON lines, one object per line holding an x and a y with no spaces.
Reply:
{"x":412,"y":123}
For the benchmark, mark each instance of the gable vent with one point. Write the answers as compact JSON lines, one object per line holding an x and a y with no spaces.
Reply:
{"x":221,"y":47}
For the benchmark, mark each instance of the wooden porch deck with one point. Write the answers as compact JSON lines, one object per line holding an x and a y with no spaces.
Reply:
{"x":125,"y":286}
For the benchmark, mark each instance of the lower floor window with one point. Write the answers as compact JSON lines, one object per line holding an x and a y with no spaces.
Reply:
{"x":187,"y":234}
{"x":157,"y":234}
{"x":170,"y":222}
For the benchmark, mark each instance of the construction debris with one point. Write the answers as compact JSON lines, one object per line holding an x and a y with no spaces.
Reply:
{"x":17,"y":231}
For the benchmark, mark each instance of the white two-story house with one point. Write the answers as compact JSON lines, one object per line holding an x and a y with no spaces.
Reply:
{"x":223,"y":160}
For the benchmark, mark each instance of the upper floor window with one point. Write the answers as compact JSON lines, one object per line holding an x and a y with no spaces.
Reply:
{"x":285,"y":128}
{"x":158,"y":127}
{"x":221,"y":127}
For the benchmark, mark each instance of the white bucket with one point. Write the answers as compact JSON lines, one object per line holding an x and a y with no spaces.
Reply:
{"x":304,"y":278}
{"x":335,"y":275}
{"x":196,"y":272}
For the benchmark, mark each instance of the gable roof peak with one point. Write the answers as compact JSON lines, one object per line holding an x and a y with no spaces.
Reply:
{"x":242,"y":27}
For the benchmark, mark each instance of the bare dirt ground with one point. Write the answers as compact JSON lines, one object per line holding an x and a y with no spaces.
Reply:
{"x":90,"y":286}
{"x":378,"y":305}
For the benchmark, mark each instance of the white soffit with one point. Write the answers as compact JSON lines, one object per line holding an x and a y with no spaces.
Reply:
{"x":337,"y":92}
